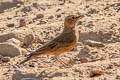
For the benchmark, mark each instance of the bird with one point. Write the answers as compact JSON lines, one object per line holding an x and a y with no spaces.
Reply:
{"x":64,"y":42}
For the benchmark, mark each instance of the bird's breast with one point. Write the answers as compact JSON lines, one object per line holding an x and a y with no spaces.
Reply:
{"x":70,"y":46}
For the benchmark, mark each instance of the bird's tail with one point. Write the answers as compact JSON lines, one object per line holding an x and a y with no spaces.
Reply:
{"x":31,"y":56}
{"x":27,"y":59}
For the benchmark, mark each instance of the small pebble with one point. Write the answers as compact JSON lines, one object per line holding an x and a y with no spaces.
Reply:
{"x":50,"y":17}
{"x":39,"y":16}
{"x":31,"y":65}
{"x":22,"y":23}
{"x":11,"y":25}
{"x":58,"y":16}
{"x":94,"y":43}
{"x":5,"y":59}
{"x":111,"y":32}
{"x":95,"y":73}
{"x":83,"y":60}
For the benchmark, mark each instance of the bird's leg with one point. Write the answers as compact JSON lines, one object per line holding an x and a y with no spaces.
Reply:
{"x":62,"y":62}
{"x":68,"y":64}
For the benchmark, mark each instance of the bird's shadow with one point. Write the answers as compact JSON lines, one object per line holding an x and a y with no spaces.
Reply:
{"x":8,"y":5}
{"x":18,"y":75}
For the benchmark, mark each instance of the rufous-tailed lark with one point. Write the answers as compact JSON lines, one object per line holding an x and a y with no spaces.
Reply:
{"x":64,"y":42}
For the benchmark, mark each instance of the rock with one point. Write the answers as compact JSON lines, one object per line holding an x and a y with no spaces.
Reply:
{"x":94,"y":43}
{"x":14,"y":41}
{"x":5,"y":59}
{"x":95,"y":73}
{"x":18,"y":5}
{"x":58,"y":16}
{"x":9,"y":49}
{"x":39,"y":16}
{"x":22,"y":23}
{"x":58,"y":10}
{"x":32,"y":65}
{"x":111,"y":32}
{"x":117,"y":77}
{"x":11,"y":25}
{"x":26,"y":9}
{"x":50,"y":17}
{"x":80,"y":23}
{"x":64,"y":1}
{"x":85,"y":50}
{"x":29,"y":39}
{"x":83,"y":60}
{"x":6,"y":36}
{"x":9,"y":18}
{"x":35,"y":5}
{"x":25,"y":36}
{"x":89,"y":25}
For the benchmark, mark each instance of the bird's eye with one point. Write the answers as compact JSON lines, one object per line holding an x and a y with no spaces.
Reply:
{"x":73,"y":17}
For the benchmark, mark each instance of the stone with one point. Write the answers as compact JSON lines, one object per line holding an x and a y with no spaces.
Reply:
{"x":14,"y":41}
{"x":58,"y":16}
{"x":94,"y":43}
{"x":18,"y":5}
{"x":11,"y":25}
{"x":5,"y":59}
{"x":83,"y":60}
{"x":25,"y":36}
{"x":117,"y":77}
{"x":50,"y":17}
{"x":9,"y":49}
{"x":95,"y":73}
{"x":22,"y":23}
{"x":111,"y":32}
{"x":32,"y":65}
{"x":35,"y":5}
{"x":29,"y":39}
{"x":39,"y":16}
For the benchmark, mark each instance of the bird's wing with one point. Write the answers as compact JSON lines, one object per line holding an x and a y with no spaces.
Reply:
{"x":61,"y":41}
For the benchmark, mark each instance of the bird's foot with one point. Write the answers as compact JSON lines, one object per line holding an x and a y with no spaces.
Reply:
{"x":66,"y":65}
{"x":70,"y":63}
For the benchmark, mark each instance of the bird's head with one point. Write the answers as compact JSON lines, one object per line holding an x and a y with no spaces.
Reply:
{"x":71,"y":20}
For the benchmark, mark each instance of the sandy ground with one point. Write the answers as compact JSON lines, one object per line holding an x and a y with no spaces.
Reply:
{"x":101,"y":23}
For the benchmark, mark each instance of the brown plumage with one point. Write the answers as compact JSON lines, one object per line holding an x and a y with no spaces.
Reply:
{"x":64,"y":42}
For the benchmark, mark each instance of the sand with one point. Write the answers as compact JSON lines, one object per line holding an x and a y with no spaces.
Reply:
{"x":101,"y":23}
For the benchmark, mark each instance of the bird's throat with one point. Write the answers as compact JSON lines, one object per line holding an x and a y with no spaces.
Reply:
{"x":66,"y":28}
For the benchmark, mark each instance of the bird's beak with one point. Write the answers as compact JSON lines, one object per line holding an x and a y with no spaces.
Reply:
{"x":80,"y":17}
